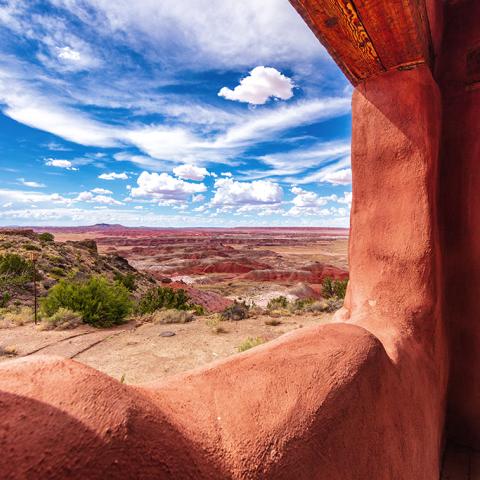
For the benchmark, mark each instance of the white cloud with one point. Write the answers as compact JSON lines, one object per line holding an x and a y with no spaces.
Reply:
{"x":256,"y":32}
{"x":190,"y":172}
{"x":260,"y":192}
{"x":341,"y":177}
{"x":164,"y":187}
{"x":31,"y":184}
{"x":262,"y":84}
{"x":90,"y":197}
{"x":101,"y":191}
{"x":68,"y":53}
{"x":226,"y":174}
{"x":53,"y":162}
{"x":198,"y":198}
{"x":335,"y":173}
{"x":21,"y":196}
{"x":105,"y":200}
{"x":113,"y":176}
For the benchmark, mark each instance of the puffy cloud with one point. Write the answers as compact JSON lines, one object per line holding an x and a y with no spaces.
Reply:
{"x":346,"y":199}
{"x":105,"y":200}
{"x":31,"y":184}
{"x":262,"y":84}
{"x":101,"y":191}
{"x":68,"y":53}
{"x":260,"y":192}
{"x":164,"y":187}
{"x":198,"y":198}
{"x":256,"y":33}
{"x":340,"y":177}
{"x":113,"y":176}
{"x":20,"y":196}
{"x":90,"y":197}
{"x":53,"y":162}
{"x":307,"y":203}
{"x":190,"y":172}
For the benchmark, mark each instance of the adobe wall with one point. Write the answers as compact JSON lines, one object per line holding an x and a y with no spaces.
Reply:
{"x":360,"y":399}
{"x":460,"y":206}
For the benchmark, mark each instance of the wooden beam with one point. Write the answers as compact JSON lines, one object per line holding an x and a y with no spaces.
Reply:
{"x":368,"y":37}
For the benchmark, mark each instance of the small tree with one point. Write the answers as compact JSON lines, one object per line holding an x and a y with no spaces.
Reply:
{"x":278,"y":303}
{"x":164,"y":297}
{"x":128,"y":280}
{"x":46,"y":237}
{"x":101,"y":303}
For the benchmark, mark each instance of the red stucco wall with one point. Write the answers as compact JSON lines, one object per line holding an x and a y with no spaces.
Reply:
{"x":460,"y":221}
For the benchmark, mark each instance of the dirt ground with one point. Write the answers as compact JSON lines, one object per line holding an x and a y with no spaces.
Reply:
{"x":139,"y":354}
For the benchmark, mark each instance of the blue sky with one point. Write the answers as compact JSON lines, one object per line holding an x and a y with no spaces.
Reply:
{"x":169,"y":113}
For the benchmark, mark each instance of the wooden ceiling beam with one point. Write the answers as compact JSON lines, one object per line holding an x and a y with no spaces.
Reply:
{"x":368,"y":37}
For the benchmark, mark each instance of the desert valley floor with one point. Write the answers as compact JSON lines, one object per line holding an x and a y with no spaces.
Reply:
{"x":215,"y":267}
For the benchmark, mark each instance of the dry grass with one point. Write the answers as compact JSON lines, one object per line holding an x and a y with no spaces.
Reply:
{"x":8,"y":351}
{"x":16,"y":317}
{"x":167,"y":317}
{"x":215,"y":325}
{"x":63,"y":319}
{"x":273,"y":322}
{"x":249,"y":343}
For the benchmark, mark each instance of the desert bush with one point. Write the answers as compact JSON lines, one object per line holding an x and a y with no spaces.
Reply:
{"x":166,"y":316}
{"x":12,"y":264}
{"x":62,"y":319}
{"x":46,"y":237}
{"x":173,"y":316}
{"x":334,"y":288}
{"x":249,"y":343}
{"x":16,"y":316}
{"x":300,"y":304}
{"x":215,"y":325}
{"x":101,"y":303}
{"x":58,"y":272}
{"x":278,"y":303}
{"x":328,"y":305}
{"x":163,"y":297}
{"x":8,"y":351}
{"x":4,"y":299}
{"x":236,"y":311}
{"x":31,"y":247}
{"x":273,"y":322}
{"x":127,"y":280}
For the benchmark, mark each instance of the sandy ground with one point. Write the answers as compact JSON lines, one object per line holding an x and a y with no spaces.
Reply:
{"x":139,"y":353}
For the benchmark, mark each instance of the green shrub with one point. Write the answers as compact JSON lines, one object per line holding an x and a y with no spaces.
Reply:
{"x":46,"y":237}
{"x":32,"y":248}
{"x":249,"y":343}
{"x":164,"y":297}
{"x":13,"y":264}
{"x":4,"y":299}
{"x":101,"y":303}
{"x":301,"y":304}
{"x":58,"y":271}
{"x":334,"y":288}
{"x":278,"y":303}
{"x":14,"y":270}
{"x":237,"y":311}
{"x":62,"y":319}
{"x":127,"y":280}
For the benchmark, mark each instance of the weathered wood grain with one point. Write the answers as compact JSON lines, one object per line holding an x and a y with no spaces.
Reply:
{"x":368,"y":37}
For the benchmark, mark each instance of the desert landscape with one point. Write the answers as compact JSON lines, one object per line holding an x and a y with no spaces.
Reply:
{"x":247,"y":287}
